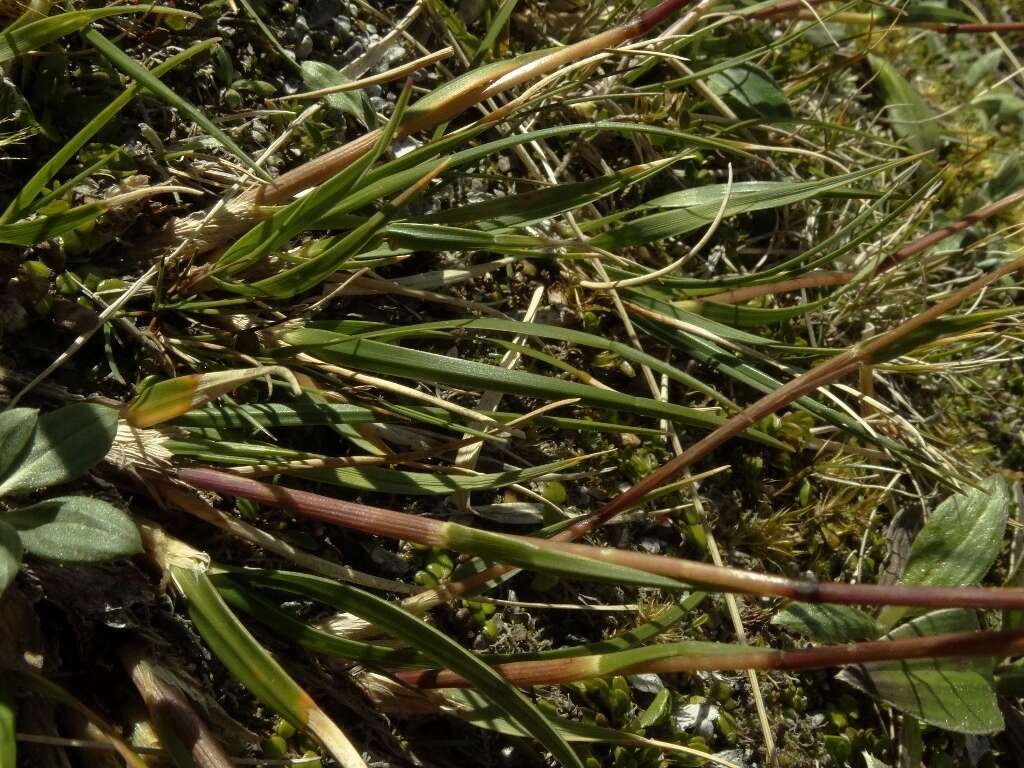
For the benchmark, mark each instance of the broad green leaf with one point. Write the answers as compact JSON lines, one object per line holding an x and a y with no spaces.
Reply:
{"x":909,"y":114}
{"x":152,"y":83}
{"x":317,"y":75}
{"x":17,"y":426}
{"x":828,"y":623}
{"x":750,"y":92}
{"x":76,"y":529}
{"x":28,"y":37}
{"x":10,"y":559}
{"x":958,"y":544}
{"x":388,"y":359}
{"x":66,"y":444}
{"x":447,"y":653}
{"x":983,"y":67}
{"x":954,"y":694}
{"x":692,"y":209}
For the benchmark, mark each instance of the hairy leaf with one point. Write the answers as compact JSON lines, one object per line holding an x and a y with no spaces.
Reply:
{"x":66,"y":444}
{"x":76,"y":529}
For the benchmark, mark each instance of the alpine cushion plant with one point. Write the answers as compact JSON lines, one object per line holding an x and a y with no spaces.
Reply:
{"x":617,"y":380}
{"x":41,"y":451}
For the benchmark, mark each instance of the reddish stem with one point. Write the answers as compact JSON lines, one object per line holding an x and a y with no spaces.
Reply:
{"x":398,"y":525}
{"x":560,"y":671}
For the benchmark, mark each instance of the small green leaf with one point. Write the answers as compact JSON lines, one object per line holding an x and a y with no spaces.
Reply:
{"x":67,"y":443}
{"x":76,"y":529}
{"x":954,"y":694}
{"x":17,"y":426}
{"x":828,"y":623}
{"x":958,"y":544}
{"x":750,"y":92}
{"x":10,"y":560}
{"x":934,"y":12}
{"x":317,"y":75}
{"x":909,"y":114}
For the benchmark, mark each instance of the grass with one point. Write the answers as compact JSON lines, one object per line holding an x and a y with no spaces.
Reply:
{"x":529,"y":383}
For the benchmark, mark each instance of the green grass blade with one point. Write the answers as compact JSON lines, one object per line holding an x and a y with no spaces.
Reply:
{"x":287,"y":625}
{"x":219,"y":420}
{"x":311,"y":273}
{"x":393,"y":621}
{"x":299,"y":215}
{"x":29,"y":37}
{"x":490,"y":37}
{"x":392,"y":360}
{"x":692,"y":209}
{"x":543,"y":331}
{"x":397,"y":174}
{"x":369,"y":479}
{"x":523,"y":553}
{"x":251,"y":664}
{"x":23,"y":200}
{"x":148,"y":80}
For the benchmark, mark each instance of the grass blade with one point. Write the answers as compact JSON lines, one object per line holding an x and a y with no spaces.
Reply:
{"x":27,"y":37}
{"x":388,"y":359}
{"x":255,"y":668}
{"x":21,"y":203}
{"x":147,"y":79}
{"x":395,"y":622}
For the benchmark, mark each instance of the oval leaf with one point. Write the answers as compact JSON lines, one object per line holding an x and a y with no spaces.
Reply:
{"x":750,"y":92}
{"x":958,"y":544}
{"x":909,"y":114}
{"x":828,"y":623}
{"x":76,"y":529}
{"x":66,"y":444}
{"x":10,"y":557}
{"x":17,"y":426}
{"x":955,"y":694}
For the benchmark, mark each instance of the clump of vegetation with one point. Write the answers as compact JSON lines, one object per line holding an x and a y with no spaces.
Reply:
{"x":522,"y":382}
